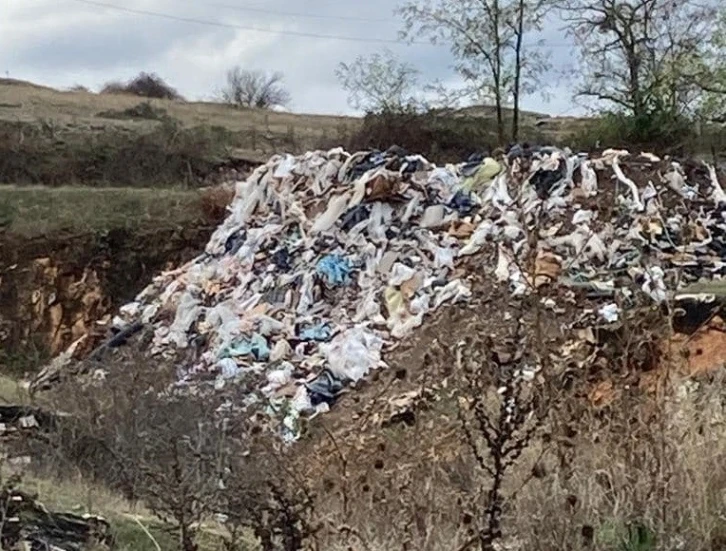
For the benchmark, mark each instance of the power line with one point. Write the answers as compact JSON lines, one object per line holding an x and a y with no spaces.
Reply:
{"x":251,"y":9}
{"x":242,"y":27}
{"x":303,"y":34}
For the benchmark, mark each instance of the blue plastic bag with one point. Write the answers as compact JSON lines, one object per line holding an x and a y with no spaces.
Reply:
{"x":320,"y":333}
{"x":335,"y":269}
{"x":255,"y":346}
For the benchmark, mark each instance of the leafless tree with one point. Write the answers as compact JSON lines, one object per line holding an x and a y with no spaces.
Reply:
{"x":527,"y":16}
{"x":486,"y":38}
{"x":255,"y":89}
{"x":264,"y":497}
{"x":640,"y":55}
{"x":181,"y":463}
{"x":135,"y":433}
{"x":379,"y":83}
{"x":500,"y":416}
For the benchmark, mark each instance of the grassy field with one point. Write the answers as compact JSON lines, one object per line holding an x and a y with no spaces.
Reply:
{"x":37,"y":211}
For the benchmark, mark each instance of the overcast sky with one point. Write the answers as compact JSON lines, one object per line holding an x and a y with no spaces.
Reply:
{"x":65,"y":42}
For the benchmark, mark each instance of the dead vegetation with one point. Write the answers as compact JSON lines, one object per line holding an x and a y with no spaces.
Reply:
{"x":482,"y":449}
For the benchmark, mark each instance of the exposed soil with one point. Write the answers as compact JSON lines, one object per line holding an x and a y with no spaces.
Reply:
{"x":56,"y":288}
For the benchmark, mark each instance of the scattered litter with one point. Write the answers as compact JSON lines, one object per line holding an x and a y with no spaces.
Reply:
{"x":610,"y":313}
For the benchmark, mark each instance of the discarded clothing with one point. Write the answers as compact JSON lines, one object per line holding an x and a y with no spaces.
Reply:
{"x":335,"y":269}
{"x":255,"y":346}
{"x":462,"y":203}
{"x":319,"y":271}
{"x":326,"y":388}
{"x":484,"y":176}
{"x":320,"y":332}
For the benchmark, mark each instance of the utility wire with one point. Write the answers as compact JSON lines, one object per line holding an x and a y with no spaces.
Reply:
{"x":243,"y":27}
{"x":235,"y":7}
{"x":223,"y":25}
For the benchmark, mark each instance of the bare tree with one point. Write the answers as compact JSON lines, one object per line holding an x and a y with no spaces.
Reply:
{"x":527,"y":16}
{"x":265,"y":497}
{"x":379,"y":83}
{"x":640,"y":55}
{"x":486,"y":38}
{"x":255,"y":89}
{"x":135,"y":433}
{"x":181,"y":462}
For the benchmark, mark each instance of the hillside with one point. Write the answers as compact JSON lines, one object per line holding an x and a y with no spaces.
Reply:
{"x":73,"y":112}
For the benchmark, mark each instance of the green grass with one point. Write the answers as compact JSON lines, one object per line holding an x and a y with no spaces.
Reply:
{"x":13,"y":391}
{"x":80,"y":496}
{"x":39,"y":211}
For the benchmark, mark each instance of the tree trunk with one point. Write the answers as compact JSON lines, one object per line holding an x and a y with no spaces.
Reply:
{"x":498,"y":73}
{"x":518,"y":71}
{"x":187,"y":538}
{"x":500,"y":116}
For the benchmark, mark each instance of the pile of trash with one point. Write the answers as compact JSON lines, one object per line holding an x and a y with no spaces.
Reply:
{"x":327,"y":260}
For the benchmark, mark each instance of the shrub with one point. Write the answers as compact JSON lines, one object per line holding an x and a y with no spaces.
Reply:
{"x":657,"y":130}
{"x":439,"y":137}
{"x":143,"y":110}
{"x":144,"y":85}
{"x":167,"y":155}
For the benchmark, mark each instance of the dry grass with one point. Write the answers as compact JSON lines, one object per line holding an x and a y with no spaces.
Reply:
{"x":75,"y":494}
{"x":646,"y":465}
{"x":658,"y":466}
{"x":79,"y":111}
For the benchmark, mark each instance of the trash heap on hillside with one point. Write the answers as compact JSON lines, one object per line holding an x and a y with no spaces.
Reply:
{"x":329,"y":258}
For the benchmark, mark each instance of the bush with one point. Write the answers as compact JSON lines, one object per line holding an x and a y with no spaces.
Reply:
{"x":657,"y":130}
{"x":439,"y":137}
{"x":144,"y":85}
{"x":143,"y":110}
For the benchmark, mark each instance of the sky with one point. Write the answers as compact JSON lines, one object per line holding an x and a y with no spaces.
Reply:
{"x":62,"y":43}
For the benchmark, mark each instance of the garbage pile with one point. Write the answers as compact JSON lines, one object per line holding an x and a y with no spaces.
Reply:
{"x":328,"y":259}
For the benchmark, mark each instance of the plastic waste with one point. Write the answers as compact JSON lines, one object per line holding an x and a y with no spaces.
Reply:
{"x":589,"y":179}
{"x":320,"y":332}
{"x":228,"y":368}
{"x":353,"y":353}
{"x":654,"y":284}
{"x":637,"y":204}
{"x":255,"y":346}
{"x":610,"y":313}
{"x":336,"y":207}
{"x":433,"y":217}
{"x":335,"y":269}
{"x":187,"y":313}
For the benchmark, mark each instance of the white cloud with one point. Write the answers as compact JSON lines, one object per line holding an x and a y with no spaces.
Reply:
{"x":66,"y":42}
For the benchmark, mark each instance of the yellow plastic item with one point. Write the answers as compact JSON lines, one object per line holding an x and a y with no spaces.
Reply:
{"x":488,"y":170}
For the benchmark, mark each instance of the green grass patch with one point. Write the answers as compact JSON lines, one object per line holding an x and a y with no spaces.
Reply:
{"x":40,"y":211}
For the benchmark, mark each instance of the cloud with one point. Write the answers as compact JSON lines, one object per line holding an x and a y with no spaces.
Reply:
{"x":69,"y":42}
